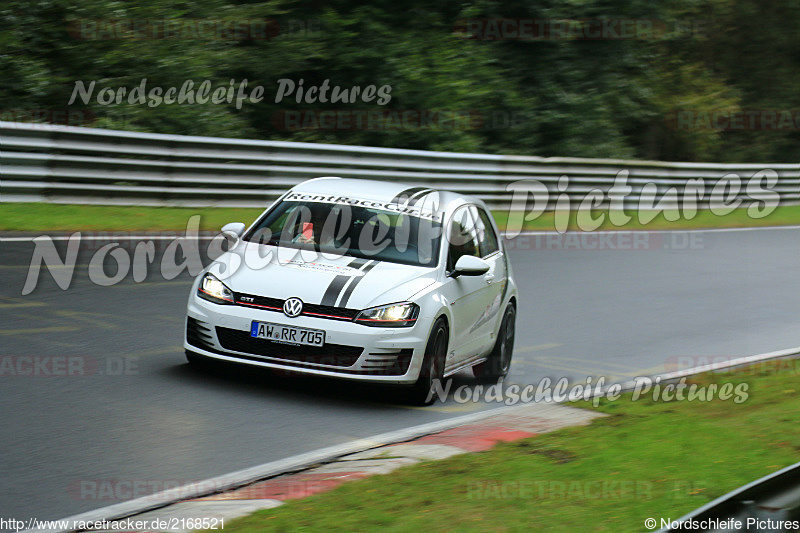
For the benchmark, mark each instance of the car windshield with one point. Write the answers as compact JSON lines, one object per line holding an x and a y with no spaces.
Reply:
{"x":352,"y":230}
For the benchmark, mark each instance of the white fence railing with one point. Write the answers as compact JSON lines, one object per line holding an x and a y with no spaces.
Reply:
{"x":85,"y":165}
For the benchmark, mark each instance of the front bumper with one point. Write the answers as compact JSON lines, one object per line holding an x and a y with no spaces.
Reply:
{"x":351,"y":351}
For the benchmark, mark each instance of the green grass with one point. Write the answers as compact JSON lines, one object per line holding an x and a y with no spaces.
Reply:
{"x":647,"y":459}
{"x":69,"y":217}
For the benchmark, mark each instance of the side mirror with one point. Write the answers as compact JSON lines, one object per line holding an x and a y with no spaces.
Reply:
{"x":469,"y":265}
{"x":233,"y":230}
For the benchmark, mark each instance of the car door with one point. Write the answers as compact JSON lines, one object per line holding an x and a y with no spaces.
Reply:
{"x":471,"y":298}
{"x":497,"y":277}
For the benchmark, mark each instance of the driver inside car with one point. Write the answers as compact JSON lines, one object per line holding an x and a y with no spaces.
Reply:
{"x":311,"y":232}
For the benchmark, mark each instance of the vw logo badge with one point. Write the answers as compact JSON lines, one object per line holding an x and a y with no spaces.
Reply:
{"x":293,"y":307}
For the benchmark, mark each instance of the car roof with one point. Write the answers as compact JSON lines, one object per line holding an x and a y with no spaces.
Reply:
{"x":383,"y":191}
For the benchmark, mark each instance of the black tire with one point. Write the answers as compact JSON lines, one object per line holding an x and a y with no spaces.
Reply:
{"x":432,"y":365}
{"x":499,"y":361}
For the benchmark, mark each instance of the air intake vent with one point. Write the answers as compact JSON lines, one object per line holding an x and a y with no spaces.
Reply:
{"x":198,"y":333}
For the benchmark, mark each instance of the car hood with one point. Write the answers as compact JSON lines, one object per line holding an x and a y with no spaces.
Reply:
{"x":316,"y":279}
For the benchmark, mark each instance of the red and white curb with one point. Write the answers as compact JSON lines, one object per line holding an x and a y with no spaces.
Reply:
{"x":505,"y":424}
{"x":269,"y":485}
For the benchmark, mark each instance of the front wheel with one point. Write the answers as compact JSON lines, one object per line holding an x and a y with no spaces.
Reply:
{"x":499,"y":361}
{"x":423,"y":391}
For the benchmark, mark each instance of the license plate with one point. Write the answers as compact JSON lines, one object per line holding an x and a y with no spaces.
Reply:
{"x":287,"y":334}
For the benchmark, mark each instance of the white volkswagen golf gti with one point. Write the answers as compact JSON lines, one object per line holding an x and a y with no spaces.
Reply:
{"x":362,"y":280}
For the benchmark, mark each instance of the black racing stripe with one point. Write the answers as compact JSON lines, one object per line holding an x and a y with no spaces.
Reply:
{"x":406,"y":194}
{"x":356,"y":281}
{"x":417,"y":197}
{"x":333,"y":290}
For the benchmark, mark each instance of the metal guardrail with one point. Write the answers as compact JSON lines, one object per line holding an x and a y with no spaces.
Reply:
{"x":763,"y":505}
{"x":85,"y":165}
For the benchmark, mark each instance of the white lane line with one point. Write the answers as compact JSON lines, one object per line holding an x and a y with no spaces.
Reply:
{"x":687,"y":230}
{"x":739,"y":361}
{"x":109,"y":237}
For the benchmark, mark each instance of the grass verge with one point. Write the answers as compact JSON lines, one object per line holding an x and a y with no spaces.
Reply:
{"x":71,"y":217}
{"x":647,"y":459}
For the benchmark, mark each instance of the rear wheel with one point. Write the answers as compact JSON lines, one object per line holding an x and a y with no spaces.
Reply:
{"x":499,"y":361}
{"x":422,"y":392}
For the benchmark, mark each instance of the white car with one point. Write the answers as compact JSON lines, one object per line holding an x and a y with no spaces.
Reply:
{"x":363,"y":280}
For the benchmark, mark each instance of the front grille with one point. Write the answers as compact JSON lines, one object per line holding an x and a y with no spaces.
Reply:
{"x":329,"y":311}
{"x":198,"y":333}
{"x":329,"y":354}
{"x":276,"y":304}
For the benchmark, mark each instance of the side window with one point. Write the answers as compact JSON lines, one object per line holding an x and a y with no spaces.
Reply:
{"x":463,"y":237}
{"x":486,"y":236}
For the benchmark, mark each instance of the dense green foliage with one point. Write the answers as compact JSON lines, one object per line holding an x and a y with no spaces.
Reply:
{"x":564,"y":97}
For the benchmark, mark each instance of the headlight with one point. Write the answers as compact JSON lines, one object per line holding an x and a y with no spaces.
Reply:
{"x":389,"y":316}
{"x":214,"y":290}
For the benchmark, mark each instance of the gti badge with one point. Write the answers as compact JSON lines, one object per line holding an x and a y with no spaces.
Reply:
{"x":293,"y":307}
